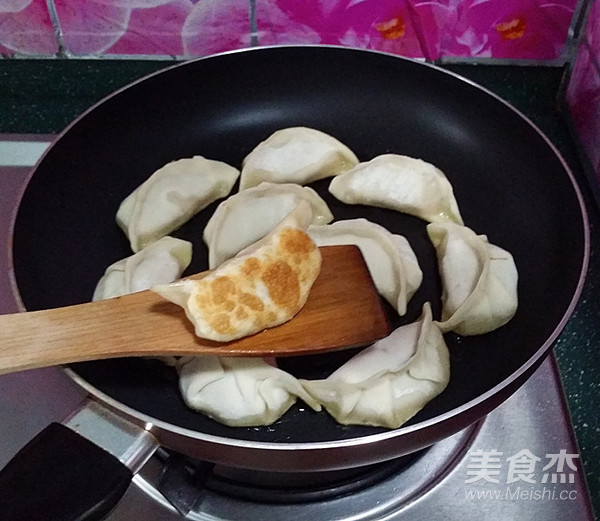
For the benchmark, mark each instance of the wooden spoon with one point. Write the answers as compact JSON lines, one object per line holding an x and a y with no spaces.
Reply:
{"x":343,"y":310}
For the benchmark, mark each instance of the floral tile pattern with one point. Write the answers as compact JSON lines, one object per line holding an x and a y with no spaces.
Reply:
{"x":26,"y":27}
{"x":153,"y":27}
{"x":583,"y":91}
{"x":215,"y":26}
{"x":517,"y":29}
{"x":509,"y":29}
{"x":412,"y":29}
{"x":430,"y":29}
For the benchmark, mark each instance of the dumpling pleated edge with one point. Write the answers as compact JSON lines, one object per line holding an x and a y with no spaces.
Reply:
{"x":388,"y":396}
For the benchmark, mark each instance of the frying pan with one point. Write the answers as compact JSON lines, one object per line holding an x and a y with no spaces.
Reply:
{"x":509,"y":181}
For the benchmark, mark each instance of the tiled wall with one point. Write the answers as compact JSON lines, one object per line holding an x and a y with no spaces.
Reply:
{"x":430,"y":29}
{"x":583,"y":92}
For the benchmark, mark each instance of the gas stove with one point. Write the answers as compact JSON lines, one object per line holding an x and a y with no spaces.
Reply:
{"x":520,"y":462}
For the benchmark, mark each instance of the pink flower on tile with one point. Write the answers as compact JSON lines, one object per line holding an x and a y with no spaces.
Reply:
{"x":154,"y":30}
{"x":592,"y":29}
{"x":26,"y":27}
{"x":153,"y":27}
{"x":215,"y":26}
{"x":13,"y":6}
{"x":406,"y":27}
{"x":278,"y":26}
{"x":531,"y":29}
{"x":583,"y":98}
{"x":134,"y":4}
{"x":90,"y":27}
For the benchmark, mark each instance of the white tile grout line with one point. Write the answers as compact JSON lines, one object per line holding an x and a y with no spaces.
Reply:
{"x":21,"y":153}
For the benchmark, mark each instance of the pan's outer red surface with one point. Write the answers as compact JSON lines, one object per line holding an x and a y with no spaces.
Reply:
{"x":509,"y":181}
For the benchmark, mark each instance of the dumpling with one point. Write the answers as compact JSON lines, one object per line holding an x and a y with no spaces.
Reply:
{"x":479,"y":280}
{"x":400,"y":183}
{"x":239,"y":392}
{"x":162,"y":262}
{"x":296,"y":155}
{"x":263,"y":286}
{"x":392,"y":262}
{"x":171,"y":196}
{"x":387,"y":383}
{"x":249,"y":215}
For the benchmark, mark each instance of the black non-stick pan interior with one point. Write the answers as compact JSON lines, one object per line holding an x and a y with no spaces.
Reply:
{"x":509,"y":183}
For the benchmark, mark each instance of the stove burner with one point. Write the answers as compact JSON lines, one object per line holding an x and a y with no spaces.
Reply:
{"x":184,"y":481}
{"x":291,"y":488}
{"x":201,"y":490}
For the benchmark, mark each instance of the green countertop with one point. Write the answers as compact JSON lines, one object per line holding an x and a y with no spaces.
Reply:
{"x":43,"y":96}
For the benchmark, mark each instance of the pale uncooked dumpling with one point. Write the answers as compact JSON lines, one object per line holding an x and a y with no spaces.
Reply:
{"x":479,"y":280}
{"x":392,"y":262}
{"x":387,"y":383}
{"x":239,"y":392}
{"x":264,"y":286}
{"x":171,"y":196}
{"x":162,"y":262}
{"x":249,"y":215}
{"x":296,"y":155}
{"x":399,"y":183}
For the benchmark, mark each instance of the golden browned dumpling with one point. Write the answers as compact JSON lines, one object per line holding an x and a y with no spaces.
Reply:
{"x":263,"y":286}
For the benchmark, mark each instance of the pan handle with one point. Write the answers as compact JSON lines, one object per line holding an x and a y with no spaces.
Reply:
{"x":74,"y":471}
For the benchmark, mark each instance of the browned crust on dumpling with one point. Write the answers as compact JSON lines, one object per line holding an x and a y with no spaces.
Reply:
{"x":235,"y":302}
{"x":283,"y":285}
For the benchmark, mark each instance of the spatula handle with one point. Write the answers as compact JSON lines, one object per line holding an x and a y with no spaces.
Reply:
{"x":90,"y":331}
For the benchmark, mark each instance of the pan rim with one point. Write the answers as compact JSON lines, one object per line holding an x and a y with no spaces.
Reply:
{"x":161,"y":427}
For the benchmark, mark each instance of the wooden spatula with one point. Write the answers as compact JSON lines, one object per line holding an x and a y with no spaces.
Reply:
{"x":343,"y":310}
